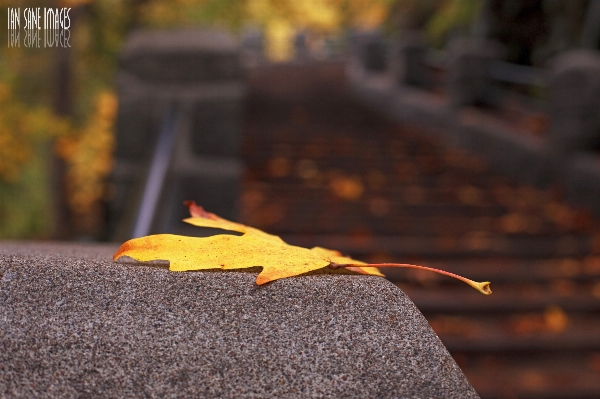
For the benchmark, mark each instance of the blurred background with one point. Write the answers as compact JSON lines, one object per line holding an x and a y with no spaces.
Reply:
{"x":458,"y":134}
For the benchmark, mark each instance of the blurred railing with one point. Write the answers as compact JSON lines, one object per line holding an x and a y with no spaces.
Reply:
{"x":539,"y":125}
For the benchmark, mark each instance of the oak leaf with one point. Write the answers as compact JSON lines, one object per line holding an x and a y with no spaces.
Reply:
{"x":253,"y":248}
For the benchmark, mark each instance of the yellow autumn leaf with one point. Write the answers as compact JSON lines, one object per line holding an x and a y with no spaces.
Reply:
{"x":202,"y":218}
{"x":254,"y":248}
{"x":227,"y":252}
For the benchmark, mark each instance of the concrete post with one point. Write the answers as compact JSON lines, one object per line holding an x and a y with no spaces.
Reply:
{"x":575,"y":102}
{"x":469,"y":74}
{"x":371,"y":51}
{"x":408,"y":61}
{"x":253,"y":48}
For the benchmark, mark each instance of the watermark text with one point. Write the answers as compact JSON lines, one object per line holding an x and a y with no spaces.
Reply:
{"x":37,"y":27}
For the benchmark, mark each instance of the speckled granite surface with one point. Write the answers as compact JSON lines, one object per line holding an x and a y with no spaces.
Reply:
{"x":75,"y":324}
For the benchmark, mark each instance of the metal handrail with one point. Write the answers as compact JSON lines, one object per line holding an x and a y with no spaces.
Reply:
{"x":157,"y":173}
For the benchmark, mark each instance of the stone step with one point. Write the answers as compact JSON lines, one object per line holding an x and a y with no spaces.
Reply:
{"x":507,"y":298}
{"x":507,"y":270}
{"x":471,"y":189}
{"x":533,"y":376}
{"x":403,"y":193}
{"x":548,"y":331}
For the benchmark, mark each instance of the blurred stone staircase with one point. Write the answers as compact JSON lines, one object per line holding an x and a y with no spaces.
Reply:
{"x":323,"y":170}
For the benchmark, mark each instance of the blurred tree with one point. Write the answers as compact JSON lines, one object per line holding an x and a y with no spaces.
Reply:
{"x":24,"y":189}
{"x":518,"y":24}
{"x":279,"y":19}
{"x":452,"y":17}
{"x":439,"y":19}
{"x":533,"y":31}
{"x":47,"y":106}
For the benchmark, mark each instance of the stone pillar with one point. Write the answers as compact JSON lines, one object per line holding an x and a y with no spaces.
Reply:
{"x":371,"y":50}
{"x":253,"y":48}
{"x":469,"y":78}
{"x":200,"y":71}
{"x":575,"y":102}
{"x":301,"y":51}
{"x":408,"y":62}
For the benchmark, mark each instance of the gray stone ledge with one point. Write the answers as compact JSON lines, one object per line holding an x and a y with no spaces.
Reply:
{"x":73,"y":323}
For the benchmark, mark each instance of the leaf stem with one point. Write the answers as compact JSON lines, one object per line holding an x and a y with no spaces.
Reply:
{"x":483,"y":287}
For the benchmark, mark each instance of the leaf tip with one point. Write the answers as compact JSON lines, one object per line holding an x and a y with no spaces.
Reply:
{"x":260,"y":280}
{"x":264,"y":278}
{"x":483,"y":287}
{"x":198,"y":211}
{"x":122,"y":249}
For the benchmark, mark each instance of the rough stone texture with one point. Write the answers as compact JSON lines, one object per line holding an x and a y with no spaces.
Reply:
{"x":75,"y":324}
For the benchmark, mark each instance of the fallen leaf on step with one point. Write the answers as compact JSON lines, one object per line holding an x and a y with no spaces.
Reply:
{"x":254,"y":248}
